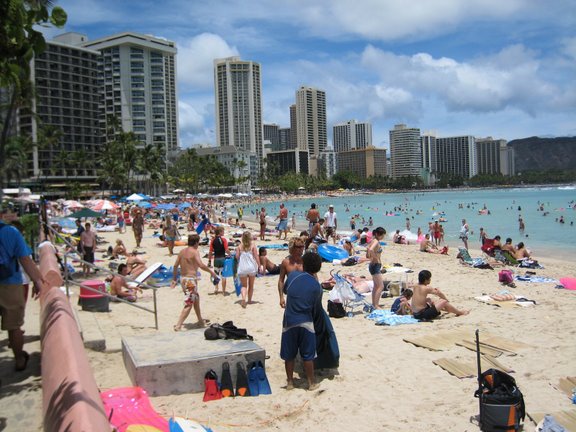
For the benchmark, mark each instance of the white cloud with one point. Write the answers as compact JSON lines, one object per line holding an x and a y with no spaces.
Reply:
{"x":196,"y":59}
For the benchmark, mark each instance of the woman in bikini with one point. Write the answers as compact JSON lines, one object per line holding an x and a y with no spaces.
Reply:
{"x":374,"y":253}
{"x":248,"y":265}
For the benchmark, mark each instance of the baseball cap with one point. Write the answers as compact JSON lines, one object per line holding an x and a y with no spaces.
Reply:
{"x":331,"y":206}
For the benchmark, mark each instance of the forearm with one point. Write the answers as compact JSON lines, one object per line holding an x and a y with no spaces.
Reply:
{"x":31,"y":269}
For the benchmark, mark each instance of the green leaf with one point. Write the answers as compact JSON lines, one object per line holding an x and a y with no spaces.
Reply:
{"x":58,"y":17}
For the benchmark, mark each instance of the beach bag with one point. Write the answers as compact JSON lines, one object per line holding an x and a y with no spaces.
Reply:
{"x":8,"y":265}
{"x":335,"y":310}
{"x":228,"y":269}
{"x":246,"y":264}
{"x":226,"y":331}
{"x":506,"y":276}
{"x":502,"y":405}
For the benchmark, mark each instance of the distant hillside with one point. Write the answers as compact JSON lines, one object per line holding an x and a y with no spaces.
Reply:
{"x":544,"y":153}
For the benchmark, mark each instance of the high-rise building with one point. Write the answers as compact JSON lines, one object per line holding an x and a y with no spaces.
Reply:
{"x":492,"y":156}
{"x":293,"y":128}
{"x":238,"y":100}
{"x":367,"y":162}
{"x":311,"y":129}
{"x":327,"y":163}
{"x":137,"y":75}
{"x":292,"y":160}
{"x":507,"y":162}
{"x":285,"y":138}
{"x":457,"y":156}
{"x":429,"y":152}
{"x":272,"y":134}
{"x":352,"y":135}
{"x":67,"y":104}
{"x":405,"y":151}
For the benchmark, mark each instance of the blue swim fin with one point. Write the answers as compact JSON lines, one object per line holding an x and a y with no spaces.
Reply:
{"x":253,"y":381}
{"x":263,"y":384}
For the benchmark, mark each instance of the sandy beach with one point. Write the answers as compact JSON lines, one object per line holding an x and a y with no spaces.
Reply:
{"x":383,"y":382}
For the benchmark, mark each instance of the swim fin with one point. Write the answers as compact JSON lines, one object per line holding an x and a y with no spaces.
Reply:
{"x":241,"y":380}
{"x":211,"y":392}
{"x":253,"y":381}
{"x":226,"y":386}
{"x":263,"y":384}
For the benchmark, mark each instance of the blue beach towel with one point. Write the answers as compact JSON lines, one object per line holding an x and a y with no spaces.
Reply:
{"x":535,"y":279}
{"x":385,"y":317}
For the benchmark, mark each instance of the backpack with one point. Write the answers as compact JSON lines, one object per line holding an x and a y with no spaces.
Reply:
{"x":336,"y":310}
{"x":226,"y":331}
{"x":502,"y":402}
{"x":506,"y":276}
{"x":8,"y":265}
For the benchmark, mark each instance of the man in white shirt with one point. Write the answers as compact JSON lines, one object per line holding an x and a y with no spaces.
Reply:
{"x":330,"y":223}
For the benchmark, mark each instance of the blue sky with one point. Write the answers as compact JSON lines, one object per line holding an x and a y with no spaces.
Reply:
{"x":500,"y":68}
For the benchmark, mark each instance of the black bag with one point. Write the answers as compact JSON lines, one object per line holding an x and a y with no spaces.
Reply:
{"x":335,"y":310}
{"x":226,"y":331}
{"x":502,"y":405}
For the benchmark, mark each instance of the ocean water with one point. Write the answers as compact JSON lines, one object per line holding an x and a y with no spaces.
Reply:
{"x":544,"y":235}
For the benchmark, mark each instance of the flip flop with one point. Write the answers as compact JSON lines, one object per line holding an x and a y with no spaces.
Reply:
{"x":26,"y":358}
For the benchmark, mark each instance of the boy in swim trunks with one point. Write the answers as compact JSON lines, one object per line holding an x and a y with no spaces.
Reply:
{"x":303,"y":301}
{"x":423,"y":307}
{"x":189,"y":262}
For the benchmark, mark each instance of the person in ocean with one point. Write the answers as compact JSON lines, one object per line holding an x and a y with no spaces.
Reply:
{"x":423,"y":307}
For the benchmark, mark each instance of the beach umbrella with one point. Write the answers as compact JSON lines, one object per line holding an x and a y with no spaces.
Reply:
{"x":144,"y":204}
{"x":166,"y":206}
{"x":84,"y":213}
{"x":178,"y":191}
{"x":105,"y":205}
{"x":135,"y":197}
{"x":184,"y":205}
{"x":64,"y":222}
{"x":72,"y":204}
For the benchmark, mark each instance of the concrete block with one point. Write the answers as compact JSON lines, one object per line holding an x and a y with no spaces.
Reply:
{"x":175,"y":363}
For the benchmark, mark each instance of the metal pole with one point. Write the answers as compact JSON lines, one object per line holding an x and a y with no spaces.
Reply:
{"x":155,"y":310}
{"x":66,"y":275}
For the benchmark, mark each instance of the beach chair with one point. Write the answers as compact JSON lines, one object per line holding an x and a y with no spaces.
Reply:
{"x":344,"y":292}
{"x":464,"y":255}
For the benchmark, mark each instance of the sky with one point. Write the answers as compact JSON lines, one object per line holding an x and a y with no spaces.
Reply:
{"x":499,"y":68}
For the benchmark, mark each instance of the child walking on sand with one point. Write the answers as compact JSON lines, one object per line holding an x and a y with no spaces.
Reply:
{"x":248,"y":265}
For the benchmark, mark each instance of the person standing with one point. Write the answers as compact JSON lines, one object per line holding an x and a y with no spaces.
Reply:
{"x":138,"y":227}
{"x":331,"y":223}
{"x":170,"y":232}
{"x":248,"y":266}
{"x":190,"y":263}
{"x":464,"y":233}
{"x":283,"y":222}
{"x":303,"y":301}
{"x":289,"y":264}
{"x":88,"y":244}
{"x":313,"y":216}
{"x":374,"y":253}
{"x":219,"y":250}
{"x":15,"y":251}
{"x":262,"y":220}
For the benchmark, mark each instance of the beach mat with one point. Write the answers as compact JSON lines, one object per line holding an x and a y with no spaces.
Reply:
{"x":468,"y":369}
{"x":566,"y":418}
{"x":492,"y":345}
{"x":506,"y":303}
{"x":440,"y":341}
{"x":566,"y":385}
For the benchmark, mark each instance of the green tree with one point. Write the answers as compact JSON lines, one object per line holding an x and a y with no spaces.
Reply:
{"x":19,"y":42}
